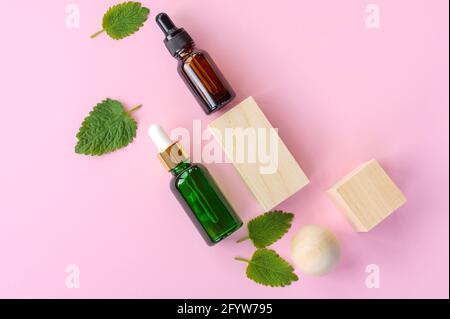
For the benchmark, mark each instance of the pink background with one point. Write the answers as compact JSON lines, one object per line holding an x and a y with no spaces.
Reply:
{"x":339,"y":93}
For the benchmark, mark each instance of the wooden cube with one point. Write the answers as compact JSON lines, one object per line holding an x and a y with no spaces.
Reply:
{"x":367,"y":196}
{"x":269,"y":187}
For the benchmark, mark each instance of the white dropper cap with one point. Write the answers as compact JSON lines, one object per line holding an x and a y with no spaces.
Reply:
{"x":159,"y":137}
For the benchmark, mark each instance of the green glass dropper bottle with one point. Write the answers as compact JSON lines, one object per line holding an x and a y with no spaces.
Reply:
{"x":196,"y":190}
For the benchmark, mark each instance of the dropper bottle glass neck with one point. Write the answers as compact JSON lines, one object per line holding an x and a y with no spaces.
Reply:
{"x":177,"y":170}
{"x":184,"y":52}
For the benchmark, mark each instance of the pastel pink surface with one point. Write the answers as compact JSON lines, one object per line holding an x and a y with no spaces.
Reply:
{"x":338,"y":92}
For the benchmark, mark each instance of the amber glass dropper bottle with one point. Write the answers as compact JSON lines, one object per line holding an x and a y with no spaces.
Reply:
{"x":196,"y":68}
{"x":196,"y":190}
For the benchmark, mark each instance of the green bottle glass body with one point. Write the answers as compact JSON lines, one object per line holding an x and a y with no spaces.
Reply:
{"x":204,"y":202}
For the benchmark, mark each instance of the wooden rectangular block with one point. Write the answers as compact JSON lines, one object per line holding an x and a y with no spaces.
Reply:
{"x":244,"y":133}
{"x":367,"y":196}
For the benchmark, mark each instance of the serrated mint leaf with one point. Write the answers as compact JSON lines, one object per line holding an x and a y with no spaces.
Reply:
{"x":266,"y":229}
{"x":107,"y":128}
{"x":123,"y":20}
{"x":267,"y":268}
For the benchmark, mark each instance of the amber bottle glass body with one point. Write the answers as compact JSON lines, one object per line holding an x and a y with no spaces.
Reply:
{"x":204,"y":79}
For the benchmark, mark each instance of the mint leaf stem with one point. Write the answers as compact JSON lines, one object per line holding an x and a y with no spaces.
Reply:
{"x":97,"y":33}
{"x":242,"y":259}
{"x":135,"y":108}
{"x":243,"y":239}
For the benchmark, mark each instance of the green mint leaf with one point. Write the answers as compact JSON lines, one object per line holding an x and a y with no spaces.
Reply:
{"x":267,"y":268}
{"x":123,"y":20}
{"x":266,"y":229}
{"x":107,"y":128}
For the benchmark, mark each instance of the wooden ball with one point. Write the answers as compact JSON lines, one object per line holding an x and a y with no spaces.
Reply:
{"x":315,"y":250}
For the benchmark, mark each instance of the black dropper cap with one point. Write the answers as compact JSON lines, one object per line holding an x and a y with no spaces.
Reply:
{"x":176,"y":38}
